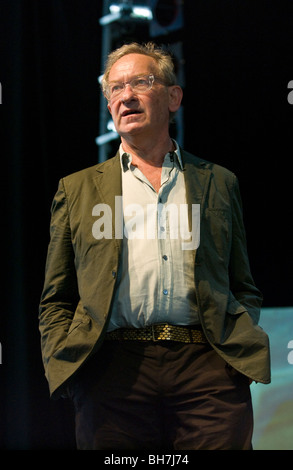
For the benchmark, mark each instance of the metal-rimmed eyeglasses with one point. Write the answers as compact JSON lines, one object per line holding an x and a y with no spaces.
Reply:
{"x":139,"y":84}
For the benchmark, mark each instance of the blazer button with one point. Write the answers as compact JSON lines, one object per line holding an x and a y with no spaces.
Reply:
{"x":114,"y":274}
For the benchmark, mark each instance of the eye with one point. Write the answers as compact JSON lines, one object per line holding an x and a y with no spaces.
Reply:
{"x":140,"y":82}
{"x":116,"y":87}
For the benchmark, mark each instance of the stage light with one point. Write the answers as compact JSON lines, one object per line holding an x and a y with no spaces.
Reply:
{"x":105,"y":138}
{"x":109,"y":136}
{"x":114,"y":9}
{"x":133,"y":11}
{"x":126,"y":11}
{"x":142,"y":12}
{"x":111,"y":126}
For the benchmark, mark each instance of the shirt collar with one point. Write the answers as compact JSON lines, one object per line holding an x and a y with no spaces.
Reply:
{"x":126,"y":158}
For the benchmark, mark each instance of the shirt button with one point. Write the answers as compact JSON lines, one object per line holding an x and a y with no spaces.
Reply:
{"x":165,"y":257}
{"x":165,"y":292}
{"x":162,"y":229}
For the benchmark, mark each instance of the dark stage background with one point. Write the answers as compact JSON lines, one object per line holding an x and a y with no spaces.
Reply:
{"x":238,"y":63}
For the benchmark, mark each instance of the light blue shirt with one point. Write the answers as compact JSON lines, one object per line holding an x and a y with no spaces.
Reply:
{"x":155,"y":281}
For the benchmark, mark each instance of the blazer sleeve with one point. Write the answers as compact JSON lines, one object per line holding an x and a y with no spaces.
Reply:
{"x":60,"y":292}
{"x":241,"y":281}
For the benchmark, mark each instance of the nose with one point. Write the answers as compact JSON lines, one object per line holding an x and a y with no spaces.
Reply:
{"x":127,"y":94}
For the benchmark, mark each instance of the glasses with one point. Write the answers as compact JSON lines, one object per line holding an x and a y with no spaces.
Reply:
{"x":139,"y":84}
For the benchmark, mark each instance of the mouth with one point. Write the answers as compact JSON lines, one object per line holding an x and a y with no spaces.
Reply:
{"x":130,"y":112}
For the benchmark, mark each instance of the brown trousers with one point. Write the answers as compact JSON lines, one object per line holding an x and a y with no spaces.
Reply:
{"x":161,"y":396}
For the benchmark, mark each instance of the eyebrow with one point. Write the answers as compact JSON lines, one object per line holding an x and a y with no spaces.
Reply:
{"x":132,"y":77}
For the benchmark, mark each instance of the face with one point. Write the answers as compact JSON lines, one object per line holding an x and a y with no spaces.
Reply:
{"x":144,"y":114}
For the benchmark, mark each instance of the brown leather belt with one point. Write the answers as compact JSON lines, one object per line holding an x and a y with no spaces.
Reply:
{"x":159,"y":332}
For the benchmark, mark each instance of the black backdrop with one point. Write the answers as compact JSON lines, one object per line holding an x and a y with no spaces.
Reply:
{"x":238,"y":62}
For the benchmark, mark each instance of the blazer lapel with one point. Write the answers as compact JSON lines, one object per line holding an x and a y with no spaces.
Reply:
{"x":109,"y":185}
{"x":197,"y":176}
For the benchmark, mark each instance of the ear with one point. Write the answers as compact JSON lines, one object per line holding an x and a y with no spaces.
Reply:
{"x":109,"y":109}
{"x":175,"y":98}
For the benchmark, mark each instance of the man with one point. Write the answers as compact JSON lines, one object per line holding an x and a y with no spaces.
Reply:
{"x":150,"y":328}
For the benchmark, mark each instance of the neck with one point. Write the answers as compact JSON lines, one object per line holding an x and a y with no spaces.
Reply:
{"x":148,"y":151}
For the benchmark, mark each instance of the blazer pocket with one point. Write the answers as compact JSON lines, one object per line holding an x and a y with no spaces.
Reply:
{"x":234,"y":307}
{"x":79,"y":317}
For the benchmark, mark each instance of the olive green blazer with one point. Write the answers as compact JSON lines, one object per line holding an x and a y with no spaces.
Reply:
{"x":81,"y":272}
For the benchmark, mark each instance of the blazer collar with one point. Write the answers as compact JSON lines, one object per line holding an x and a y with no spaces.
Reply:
{"x":109,"y":180}
{"x":197,"y":175}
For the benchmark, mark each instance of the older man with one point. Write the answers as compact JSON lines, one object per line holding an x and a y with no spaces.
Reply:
{"x":149,"y":313}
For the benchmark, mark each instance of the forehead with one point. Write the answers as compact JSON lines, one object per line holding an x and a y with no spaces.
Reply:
{"x":131,"y":65}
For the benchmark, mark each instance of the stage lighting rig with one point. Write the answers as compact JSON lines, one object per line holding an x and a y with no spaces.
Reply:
{"x":126,"y":11}
{"x":121,"y":22}
{"x":126,"y":21}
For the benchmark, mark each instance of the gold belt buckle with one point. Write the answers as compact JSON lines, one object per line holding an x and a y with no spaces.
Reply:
{"x":160,"y":332}
{"x":153,"y":333}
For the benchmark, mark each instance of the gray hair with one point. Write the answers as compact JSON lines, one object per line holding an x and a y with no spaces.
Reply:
{"x":163,"y":59}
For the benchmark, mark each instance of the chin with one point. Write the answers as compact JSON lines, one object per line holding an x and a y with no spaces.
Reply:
{"x":131,"y":129}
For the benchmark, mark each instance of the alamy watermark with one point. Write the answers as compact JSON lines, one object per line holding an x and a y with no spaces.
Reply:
{"x":290,"y":355}
{"x":290,"y":94}
{"x":153,"y":221}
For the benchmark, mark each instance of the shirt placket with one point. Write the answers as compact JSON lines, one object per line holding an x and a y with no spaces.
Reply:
{"x":165,"y":277}
{"x":165,"y":272}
